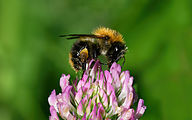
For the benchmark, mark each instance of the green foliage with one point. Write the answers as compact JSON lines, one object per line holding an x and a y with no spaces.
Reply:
{"x":32,"y":58}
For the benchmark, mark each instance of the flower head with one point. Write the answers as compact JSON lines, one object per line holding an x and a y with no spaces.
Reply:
{"x":99,"y":95}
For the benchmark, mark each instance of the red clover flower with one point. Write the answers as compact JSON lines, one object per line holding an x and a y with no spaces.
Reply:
{"x":99,"y":95}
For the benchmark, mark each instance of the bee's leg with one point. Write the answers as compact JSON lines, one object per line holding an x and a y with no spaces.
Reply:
{"x":109,"y":64}
{"x":123,"y":61}
{"x":118,"y":58}
{"x":84,"y":66}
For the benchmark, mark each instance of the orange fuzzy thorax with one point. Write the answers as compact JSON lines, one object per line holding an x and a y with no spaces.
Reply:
{"x":114,"y":35}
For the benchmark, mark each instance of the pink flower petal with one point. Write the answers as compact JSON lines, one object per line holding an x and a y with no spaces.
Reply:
{"x":127,"y":91}
{"x":78,"y":96}
{"x":87,"y":85}
{"x":115,"y":67}
{"x":63,"y":109}
{"x":90,"y":63}
{"x":108,"y":76}
{"x":94,"y":100}
{"x":90,"y":92}
{"x":84,"y":78}
{"x":128,"y":100}
{"x":115,"y":70}
{"x":84,"y":117}
{"x":64,"y":81}
{"x":101,"y":76}
{"x":104,"y":97}
{"x":88,"y":109}
{"x":80,"y":108}
{"x":80,"y":84}
{"x":130,"y":83}
{"x":122,"y":77}
{"x":66,"y":94}
{"x":85,"y":100}
{"x":110,"y":88}
{"x":101,"y":80}
{"x":116,"y":81}
{"x":113,"y":103}
{"x":53,"y":99}
{"x":71,"y":117}
{"x":53,"y":114}
{"x":93,"y":113}
{"x":94,"y":69}
{"x":127,"y":114}
{"x":124,"y":90}
{"x":100,"y":112}
{"x":140,"y":109}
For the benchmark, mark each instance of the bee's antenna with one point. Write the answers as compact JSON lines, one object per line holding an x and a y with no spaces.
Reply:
{"x":62,"y":35}
{"x":76,"y":36}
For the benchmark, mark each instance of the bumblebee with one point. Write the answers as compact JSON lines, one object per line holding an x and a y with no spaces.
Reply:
{"x":103,"y":41}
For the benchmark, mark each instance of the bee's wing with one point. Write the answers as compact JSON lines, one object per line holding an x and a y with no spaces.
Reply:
{"x":82,"y":36}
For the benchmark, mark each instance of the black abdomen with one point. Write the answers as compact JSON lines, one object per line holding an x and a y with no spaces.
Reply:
{"x":78,"y":46}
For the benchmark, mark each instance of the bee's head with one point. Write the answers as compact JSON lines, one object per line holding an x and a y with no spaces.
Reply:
{"x":107,"y":37}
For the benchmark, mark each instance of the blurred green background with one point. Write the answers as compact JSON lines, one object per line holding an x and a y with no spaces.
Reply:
{"x":158,"y":34}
